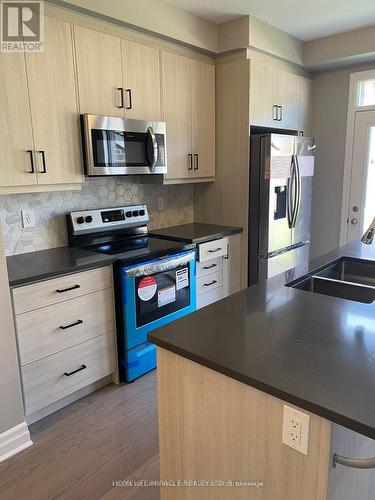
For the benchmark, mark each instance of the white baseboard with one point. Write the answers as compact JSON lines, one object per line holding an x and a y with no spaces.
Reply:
{"x":14,"y":440}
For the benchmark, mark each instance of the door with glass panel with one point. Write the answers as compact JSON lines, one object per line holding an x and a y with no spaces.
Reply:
{"x":362,"y":188}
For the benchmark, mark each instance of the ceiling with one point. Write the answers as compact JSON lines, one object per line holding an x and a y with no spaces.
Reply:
{"x":304,"y":19}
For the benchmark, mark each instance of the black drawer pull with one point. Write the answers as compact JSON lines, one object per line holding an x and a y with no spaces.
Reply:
{"x":79,"y":322}
{"x":209,"y":267}
{"x":216,"y":250}
{"x":75,"y":371}
{"x":209,"y":284}
{"x":68,"y":289}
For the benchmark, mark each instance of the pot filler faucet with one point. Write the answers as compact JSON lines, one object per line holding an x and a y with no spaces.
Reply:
{"x":368,"y":237}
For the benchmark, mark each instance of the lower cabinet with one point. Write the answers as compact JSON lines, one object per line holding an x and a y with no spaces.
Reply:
{"x":66,"y":339}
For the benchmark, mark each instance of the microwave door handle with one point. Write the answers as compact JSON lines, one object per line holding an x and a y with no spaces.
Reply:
{"x":154,"y":159}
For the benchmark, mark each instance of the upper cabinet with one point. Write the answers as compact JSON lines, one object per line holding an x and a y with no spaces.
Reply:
{"x":306,"y":96}
{"x":99,"y":72}
{"x":40,"y":138}
{"x":141,"y":81}
{"x":189,"y":113}
{"x":117,"y":77}
{"x":279,"y":98}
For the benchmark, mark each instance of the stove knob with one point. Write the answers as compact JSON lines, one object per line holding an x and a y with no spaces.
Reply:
{"x":135,"y":213}
{"x":80,"y":220}
{"x":128,"y":214}
{"x":141,"y":212}
{"x":89,"y":219}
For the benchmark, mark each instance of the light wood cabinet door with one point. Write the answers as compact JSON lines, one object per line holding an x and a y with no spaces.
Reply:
{"x":176,"y":76}
{"x":99,"y":72}
{"x":306,"y":95}
{"x":142,"y":90}
{"x":203,"y":118}
{"x":263,"y":94}
{"x":288,"y":99}
{"x":15,"y":123}
{"x":54,"y":110}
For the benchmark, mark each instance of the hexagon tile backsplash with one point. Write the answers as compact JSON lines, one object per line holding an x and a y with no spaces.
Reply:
{"x":50,"y":209}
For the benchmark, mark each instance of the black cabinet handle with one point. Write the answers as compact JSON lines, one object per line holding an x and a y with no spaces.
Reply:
{"x":75,"y":371}
{"x":32,"y":171}
{"x":44,"y":171}
{"x":209,"y":267}
{"x":196,"y":161}
{"x":210,"y":284}
{"x":190,"y":164}
{"x":129,"y":92}
{"x":68,"y":289}
{"x":79,"y":322}
{"x":216,"y":250}
{"x":121,"y":90}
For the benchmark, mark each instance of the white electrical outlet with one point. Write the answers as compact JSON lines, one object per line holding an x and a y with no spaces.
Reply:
{"x":160,"y":203}
{"x":28,"y":219}
{"x":296,"y":429}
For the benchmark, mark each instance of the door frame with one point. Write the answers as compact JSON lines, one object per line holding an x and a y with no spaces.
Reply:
{"x":353,"y":108}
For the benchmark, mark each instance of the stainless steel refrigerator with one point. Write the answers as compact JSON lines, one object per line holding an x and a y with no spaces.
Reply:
{"x":281,"y":175}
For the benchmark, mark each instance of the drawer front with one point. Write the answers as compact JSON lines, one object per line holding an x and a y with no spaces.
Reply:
{"x":40,"y":334}
{"x":208,"y":298}
{"x":209,"y":266}
{"x":212,"y":249}
{"x":45,"y":293}
{"x":209,"y":282}
{"x":44,"y":381}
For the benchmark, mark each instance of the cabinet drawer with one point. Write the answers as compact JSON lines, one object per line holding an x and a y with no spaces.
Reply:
{"x":212,"y":249}
{"x":209,"y":266}
{"x":44,"y":381}
{"x":30,"y":297}
{"x":208,"y":298}
{"x":40,"y":334}
{"x":209,"y":282}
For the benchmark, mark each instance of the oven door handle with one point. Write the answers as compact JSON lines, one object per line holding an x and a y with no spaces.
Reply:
{"x":152,"y":149}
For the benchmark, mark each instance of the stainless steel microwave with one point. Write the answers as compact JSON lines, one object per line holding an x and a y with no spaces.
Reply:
{"x":119,"y":146}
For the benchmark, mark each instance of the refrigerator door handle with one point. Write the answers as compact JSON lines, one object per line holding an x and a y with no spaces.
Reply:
{"x":298,"y":191}
{"x":289,"y":204}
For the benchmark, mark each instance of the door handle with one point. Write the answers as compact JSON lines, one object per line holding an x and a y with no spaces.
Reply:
{"x":44,"y":169}
{"x":216,"y":250}
{"x":121,"y":91}
{"x":274,"y":112}
{"x":196,"y":161}
{"x":31,"y":153}
{"x":82,"y":367}
{"x":154,"y":148}
{"x":79,"y":322}
{"x":190,"y":161}
{"x":289,"y":206}
{"x":356,"y":463}
{"x":298,"y":191}
{"x":213,"y":282}
{"x":280,"y":118}
{"x":129,"y":92}
{"x":62,"y":290}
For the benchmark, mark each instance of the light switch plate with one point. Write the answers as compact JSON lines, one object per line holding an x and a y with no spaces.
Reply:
{"x":28,"y":219}
{"x":296,"y":429}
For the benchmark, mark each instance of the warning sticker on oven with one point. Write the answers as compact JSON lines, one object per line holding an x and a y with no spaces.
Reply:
{"x":182,"y":278}
{"x":166,"y":296}
{"x":147,"y":288}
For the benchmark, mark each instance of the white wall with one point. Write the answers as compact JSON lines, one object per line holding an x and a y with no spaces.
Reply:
{"x":329,"y":128}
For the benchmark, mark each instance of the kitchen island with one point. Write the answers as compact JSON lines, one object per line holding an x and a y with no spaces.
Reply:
{"x":226,"y":372}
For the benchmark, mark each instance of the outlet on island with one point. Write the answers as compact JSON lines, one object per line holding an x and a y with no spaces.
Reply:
{"x":296,"y":429}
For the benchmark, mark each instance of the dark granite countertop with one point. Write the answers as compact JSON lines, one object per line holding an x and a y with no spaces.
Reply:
{"x":312,"y":350}
{"x":35,"y":266}
{"x":195,"y":232}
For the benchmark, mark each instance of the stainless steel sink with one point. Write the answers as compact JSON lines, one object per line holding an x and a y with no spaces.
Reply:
{"x":350,"y":270}
{"x":346,"y":278}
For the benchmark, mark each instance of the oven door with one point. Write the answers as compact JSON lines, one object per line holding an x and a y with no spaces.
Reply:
{"x":155,"y":293}
{"x":117,"y":146}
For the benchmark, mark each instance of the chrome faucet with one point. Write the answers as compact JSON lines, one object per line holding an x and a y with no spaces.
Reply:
{"x":368,"y":237}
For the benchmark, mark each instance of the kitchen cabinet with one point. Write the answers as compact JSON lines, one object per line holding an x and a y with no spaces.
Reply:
{"x":53,"y":106}
{"x":40,"y":127}
{"x":99,"y":72}
{"x":306,"y":96}
{"x":275,"y":96}
{"x":189,"y":113}
{"x":141,"y":87}
{"x":16,"y":140}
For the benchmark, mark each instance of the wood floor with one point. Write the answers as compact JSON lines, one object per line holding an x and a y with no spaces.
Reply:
{"x":78,"y":451}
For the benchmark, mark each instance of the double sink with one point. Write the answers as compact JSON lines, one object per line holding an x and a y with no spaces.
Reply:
{"x":345,"y":278}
